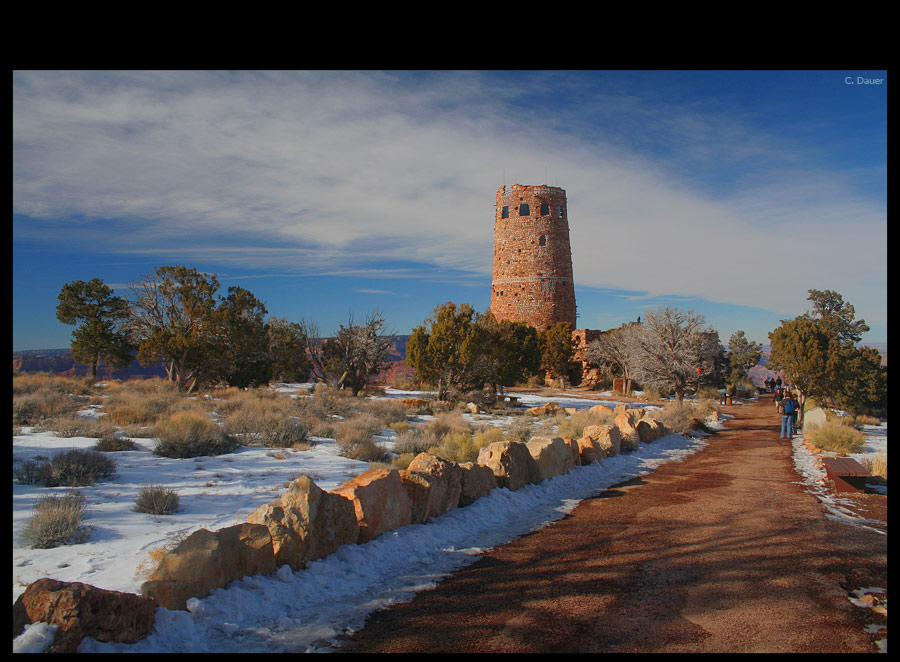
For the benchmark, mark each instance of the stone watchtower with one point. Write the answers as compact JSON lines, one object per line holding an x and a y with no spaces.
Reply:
{"x":532,"y":280}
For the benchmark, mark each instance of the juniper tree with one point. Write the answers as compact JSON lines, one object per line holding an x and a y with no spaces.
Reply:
{"x":99,"y":316}
{"x":557,"y":350}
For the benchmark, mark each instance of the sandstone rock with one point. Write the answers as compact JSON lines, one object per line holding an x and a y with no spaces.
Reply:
{"x":472,"y":408}
{"x":379,"y":500}
{"x":433,"y":486}
{"x":630,"y":439}
{"x":545,"y":410}
{"x":208,"y":560}
{"x":589,"y":451}
{"x":412,"y":403}
{"x":645,"y":431}
{"x":607,"y":437}
{"x":573,"y":450}
{"x":511,"y":463}
{"x":307,"y":523}
{"x":552,"y":456}
{"x":602,"y":409}
{"x":81,"y":610}
{"x":477,"y":481}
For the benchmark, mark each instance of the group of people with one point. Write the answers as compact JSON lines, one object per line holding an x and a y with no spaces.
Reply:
{"x":786,"y":402}
{"x":772,"y":384}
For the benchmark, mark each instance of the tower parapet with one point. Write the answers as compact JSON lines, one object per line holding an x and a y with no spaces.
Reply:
{"x":532,"y":274}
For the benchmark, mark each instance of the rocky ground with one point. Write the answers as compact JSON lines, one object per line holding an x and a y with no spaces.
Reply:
{"x":723,"y":552}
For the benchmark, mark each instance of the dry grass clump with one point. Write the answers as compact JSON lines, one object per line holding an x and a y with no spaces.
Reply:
{"x":35,"y":382}
{"x":57,"y":520}
{"x":191,"y":433}
{"x":266,"y":422}
{"x":838,"y":438}
{"x":354,"y":439}
{"x":877,"y":466}
{"x":32,"y":407}
{"x":74,"y":425}
{"x":573,"y":425}
{"x":156,"y":500}
{"x":140,"y":402}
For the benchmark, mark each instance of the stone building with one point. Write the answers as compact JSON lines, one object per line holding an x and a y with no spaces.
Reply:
{"x":532,"y":275}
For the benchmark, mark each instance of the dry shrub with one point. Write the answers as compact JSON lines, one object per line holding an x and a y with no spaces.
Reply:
{"x":33,"y":407}
{"x":73,"y":468}
{"x":838,"y":438}
{"x":573,"y":425}
{"x":877,"y":466}
{"x":683,"y":419}
{"x":57,"y":520}
{"x":77,"y":426}
{"x":156,"y":500}
{"x":141,"y":402}
{"x":111,"y":443}
{"x":354,"y":440}
{"x":457,"y":446}
{"x":521,"y":429}
{"x":191,"y":433}
{"x":266,"y":422}
{"x":35,"y":382}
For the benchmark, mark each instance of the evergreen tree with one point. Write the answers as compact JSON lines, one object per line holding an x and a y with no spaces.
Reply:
{"x":835,"y":316}
{"x":99,"y":317}
{"x":743,"y":354}
{"x":287,"y":350}
{"x":511,"y":351}
{"x":238,"y":353}
{"x":447,"y":350}
{"x":174,"y":316}
{"x":557,"y":350}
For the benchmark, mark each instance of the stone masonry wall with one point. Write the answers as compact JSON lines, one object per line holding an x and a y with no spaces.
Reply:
{"x":532,"y":275}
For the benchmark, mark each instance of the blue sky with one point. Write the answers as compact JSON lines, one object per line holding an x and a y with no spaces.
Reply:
{"x":336,"y":193}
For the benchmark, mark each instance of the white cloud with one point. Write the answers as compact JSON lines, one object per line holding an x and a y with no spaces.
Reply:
{"x":338,"y":169}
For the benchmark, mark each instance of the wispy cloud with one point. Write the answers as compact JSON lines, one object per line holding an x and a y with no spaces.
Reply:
{"x":334,"y":172}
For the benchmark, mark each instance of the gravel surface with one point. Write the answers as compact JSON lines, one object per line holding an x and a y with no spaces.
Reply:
{"x":722,"y":552}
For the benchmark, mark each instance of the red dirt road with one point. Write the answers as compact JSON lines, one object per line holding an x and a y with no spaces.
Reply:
{"x":723,"y":552}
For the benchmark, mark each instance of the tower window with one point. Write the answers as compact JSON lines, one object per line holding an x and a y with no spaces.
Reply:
{"x":524,"y":210}
{"x":504,"y":213}
{"x":542,"y":240}
{"x":560,"y":211}
{"x":545,"y":209}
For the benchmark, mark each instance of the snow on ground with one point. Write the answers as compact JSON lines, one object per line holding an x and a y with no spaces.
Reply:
{"x":814,"y":478}
{"x":289,"y":611}
{"x":303,"y":611}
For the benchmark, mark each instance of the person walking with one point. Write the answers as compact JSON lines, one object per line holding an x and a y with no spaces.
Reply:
{"x":779,"y":398}
{"x":796,"y":413}
{"x":788,"y":411}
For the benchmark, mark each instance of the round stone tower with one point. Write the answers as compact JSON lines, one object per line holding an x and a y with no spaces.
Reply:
{"x":532,"y":280}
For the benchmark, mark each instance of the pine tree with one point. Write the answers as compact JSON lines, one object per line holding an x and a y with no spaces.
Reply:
{"x":99,"y":317}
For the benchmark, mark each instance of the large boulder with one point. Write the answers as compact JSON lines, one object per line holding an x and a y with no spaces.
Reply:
{"x":477,"y":481}
{"x":572,"y":444}
{"x":552,"y":456}
{"x":650,"y":428}
{"x":379,"y":500}
{"x":433,"y":486}
{"x":511,"y":463}
{"x":548,"y":409}
{"x":630,"y":438}
{"x":81,"y":610}
{"x":606,"y":437}
{"x":207,"y":560}
{"x":307,"y":523}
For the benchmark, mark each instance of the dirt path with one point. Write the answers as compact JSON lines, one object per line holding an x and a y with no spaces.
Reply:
{"x":723,"y":552}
